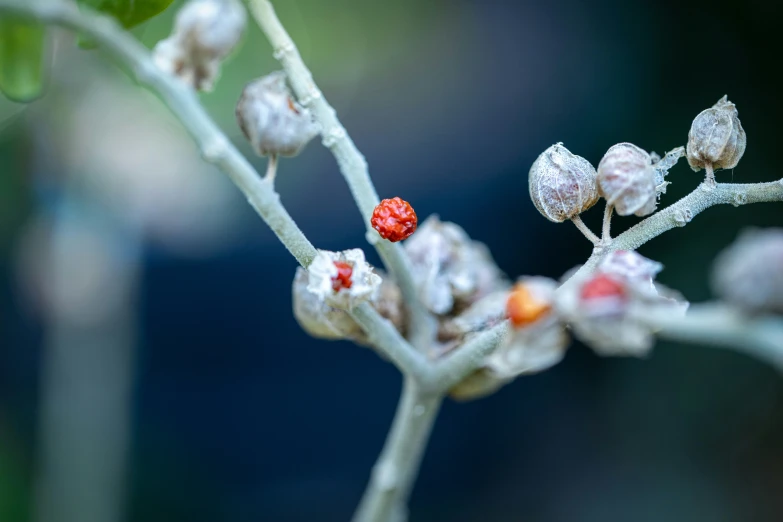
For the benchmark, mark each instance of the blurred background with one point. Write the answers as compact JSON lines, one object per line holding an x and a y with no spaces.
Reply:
{"x":150,"y":366}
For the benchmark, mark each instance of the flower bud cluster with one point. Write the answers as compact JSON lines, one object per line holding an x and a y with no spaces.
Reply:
{"x":606,"y":309}
{"x":334,"y":283}
{"x":205,"y":32}
{"x":451,"y":270}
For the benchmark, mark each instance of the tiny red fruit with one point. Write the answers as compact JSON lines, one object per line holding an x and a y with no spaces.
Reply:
{"x":394,"y":219}
{"x":602,"y":286}
{"x":343,"y":277}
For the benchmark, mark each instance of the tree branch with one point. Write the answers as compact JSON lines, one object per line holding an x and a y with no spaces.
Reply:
{"x":386,"y":338}
{"x":682,"y":212}
{"x":448,"y":372}
{"x":351,"y":162}
{"x":394,"y":473}
{"x":718,"y":324}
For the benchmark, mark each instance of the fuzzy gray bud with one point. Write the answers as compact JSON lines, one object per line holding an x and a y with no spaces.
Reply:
{"x":271,"y":120}
{"x":716,"y":138}
{"x":627,"y":180}
{"x":749,"y":273}
{"x":205,"y":32}
{"x":562,"y":184}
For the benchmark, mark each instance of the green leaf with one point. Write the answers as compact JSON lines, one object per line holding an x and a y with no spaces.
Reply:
{"x":129,"y":13}
{"x":21,"y":58}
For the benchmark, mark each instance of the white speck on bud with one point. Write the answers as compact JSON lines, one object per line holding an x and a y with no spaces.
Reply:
{"x":716,"y":137}
{"x":749,"y":273}
{"x":562,"y":185}
{"x":205,"y":32}
{"x":450,"y":269}
{"x":271,"y":120}
{"x":627,"y":180}
{"x":363,"y":282}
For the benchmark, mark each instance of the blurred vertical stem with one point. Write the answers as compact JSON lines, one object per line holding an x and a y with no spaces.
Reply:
{"x":351,"y":162}
{"x":86,"y":381}
{"x":392,"y":478}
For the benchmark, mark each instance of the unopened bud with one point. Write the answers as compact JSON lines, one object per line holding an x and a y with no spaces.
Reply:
{"x":562,"y":185}
{"x":271,"y":120}
{"x":205,"y":32}
{"x":749,"y":273}
{"x":716,"y":138}
{"x":627,"y":180}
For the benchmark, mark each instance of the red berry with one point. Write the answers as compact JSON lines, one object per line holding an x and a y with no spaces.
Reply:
{"x":394,"y":219}
{"x":343,"y":277}
{"x":602,"y":286}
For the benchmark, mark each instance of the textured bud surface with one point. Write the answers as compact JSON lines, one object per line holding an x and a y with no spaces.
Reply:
{"x":562,"y":184}
{"x":627,"y":180}
{"x":749,"y":273}
{"x":205,"y":32}
{"x":343,"y":279}
{"x":270,"y":119}
{"x":394,"y":219}
{"x":716,"y":137}
{"x":451,"y":270}
{"x":604,"y":308}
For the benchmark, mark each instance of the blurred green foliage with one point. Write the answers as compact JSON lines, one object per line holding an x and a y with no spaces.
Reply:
{"x":21,"y":58}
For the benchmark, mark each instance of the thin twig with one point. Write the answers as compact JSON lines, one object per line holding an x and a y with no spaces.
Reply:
{"x":271,"y":169}
{"x":720,"y":325}
{"x":585,"y":230}
{"x":681,"y":213}
{"x":352,"y":163}
{"x":467,"y":358}
{"x":383,"y":335}
{"x":395,"y":471}
{"x":606,"y":230}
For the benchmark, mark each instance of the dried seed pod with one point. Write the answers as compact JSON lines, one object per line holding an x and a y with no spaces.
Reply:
{"x":205,"y":32}
{"x":716,"y":137}
{"x":749,"y":273}
{"x":271,"y":120}
{"x":562,"y":185}
{"x":321,"y":320}
{"x":605,"y":310}
{"x":537,"y":341}
{"x":627,"y":180}
{"x":451,"y":270}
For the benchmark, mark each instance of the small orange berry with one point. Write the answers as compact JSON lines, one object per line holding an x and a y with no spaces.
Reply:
{"x":394,"y":219}
{"x":522,"y":308}
{"x":343,"y":277}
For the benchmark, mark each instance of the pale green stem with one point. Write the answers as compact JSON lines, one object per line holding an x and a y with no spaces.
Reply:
{"x":395,"y":471}
{"x":681,"y":213}
{"x":718,"y":324}
{"x":584,"y":229}
{"x":352,"y":164}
